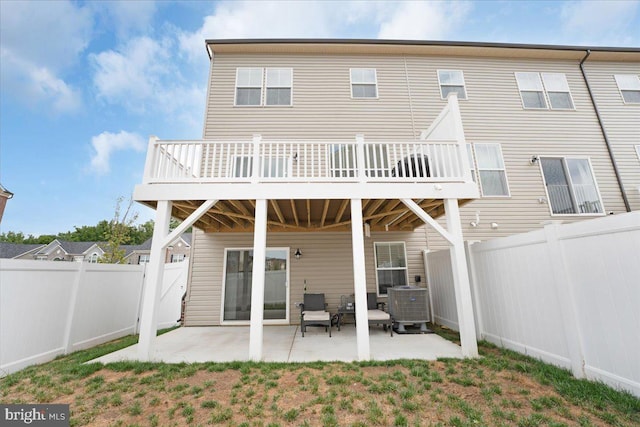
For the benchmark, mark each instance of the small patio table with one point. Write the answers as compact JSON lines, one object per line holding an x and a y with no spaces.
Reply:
{"x":346,"y":309}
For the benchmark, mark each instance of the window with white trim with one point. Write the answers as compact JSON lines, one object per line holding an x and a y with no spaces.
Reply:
{"x":249,"y":86}
{"x":491,"y":170}
{"x":536,"y":89}
{"x":93,"y":259}
{"x":571,"y":186}
{"x":143,"y":259}
{"x":364,"y":83}
{"x":276,"y":82}
{"x":557,"y":89}
{"x":391,"y":265}
{"x":177,"y":258}
{"x":451,"y":81}
{"x":629,"y":87}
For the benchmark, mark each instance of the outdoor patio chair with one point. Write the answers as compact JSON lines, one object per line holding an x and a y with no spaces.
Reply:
{"x":376,"y":313}
{"x":313,"y":312}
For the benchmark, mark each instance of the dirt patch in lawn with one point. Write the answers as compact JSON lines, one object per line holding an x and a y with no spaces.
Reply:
{"x":500,"y":388}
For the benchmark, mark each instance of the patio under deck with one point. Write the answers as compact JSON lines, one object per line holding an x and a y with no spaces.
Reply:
{"x":285,"y":344}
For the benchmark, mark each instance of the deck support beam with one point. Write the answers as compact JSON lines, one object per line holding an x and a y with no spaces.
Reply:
{"x":153,"y":283}
{"x":359,"y":280}
{"x":257,"y":281}
{"x":462,"y":287}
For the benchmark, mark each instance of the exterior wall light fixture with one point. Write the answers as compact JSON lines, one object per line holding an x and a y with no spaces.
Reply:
{"x":297,"y":254}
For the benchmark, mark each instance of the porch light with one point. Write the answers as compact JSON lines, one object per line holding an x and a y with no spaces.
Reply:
{"x":298,"y":254}
{"x":533,"y":160}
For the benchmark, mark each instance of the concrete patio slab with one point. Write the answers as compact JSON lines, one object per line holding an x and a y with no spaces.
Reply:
{"x":285,"y":344}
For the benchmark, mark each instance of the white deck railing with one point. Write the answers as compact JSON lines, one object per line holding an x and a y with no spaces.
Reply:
{"x":306,"y":161}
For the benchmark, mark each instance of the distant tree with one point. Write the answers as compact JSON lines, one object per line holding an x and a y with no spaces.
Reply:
{"x":141,"y":233}
{"x":118,"y":233}
{"x":12,"y":237}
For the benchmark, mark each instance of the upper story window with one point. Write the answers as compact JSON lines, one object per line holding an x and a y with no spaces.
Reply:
{"x":536,"y":88}
{"x":629,"y":86}
{"x":451,"y":81}
{"x":364,"y":83}
{"x":491,"y":170}
{"x":276,"y":82}
{"x":278,"y":86}
{"x":571,"y":187}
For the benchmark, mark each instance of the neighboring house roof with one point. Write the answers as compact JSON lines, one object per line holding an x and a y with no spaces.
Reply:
{"x":70,"y":248}
{"x":14,"y":250}
{"x":146,"y":245}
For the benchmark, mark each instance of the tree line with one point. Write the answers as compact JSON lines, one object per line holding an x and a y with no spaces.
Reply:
{"x":137,"y":234}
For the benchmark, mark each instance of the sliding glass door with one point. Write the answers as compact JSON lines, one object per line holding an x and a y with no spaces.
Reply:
{"x":237,"y":285}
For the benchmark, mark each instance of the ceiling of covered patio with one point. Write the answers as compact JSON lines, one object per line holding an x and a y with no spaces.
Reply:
{"x":307,"y":215}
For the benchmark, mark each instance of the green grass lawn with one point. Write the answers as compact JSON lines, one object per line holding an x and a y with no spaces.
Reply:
{"x":500,"y":388}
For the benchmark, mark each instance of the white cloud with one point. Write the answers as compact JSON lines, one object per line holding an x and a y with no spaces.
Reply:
{"x":106,"y":143}
{"x":250,"y":19}
{"x":32,"y":64}
{"x":422,"y":20}
{"x":601,"y":22}
{"x":125,"y":17}
{"x":145,"y":77}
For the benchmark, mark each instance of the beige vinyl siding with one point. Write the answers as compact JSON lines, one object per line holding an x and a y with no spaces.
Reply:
{"x":622,"y":121}
{"x":326,"y":265}
{"x":409,"y":101}
{"x":322,"y":104}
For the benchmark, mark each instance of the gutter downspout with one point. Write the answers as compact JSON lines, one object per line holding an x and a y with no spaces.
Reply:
{"x":604,"y":133}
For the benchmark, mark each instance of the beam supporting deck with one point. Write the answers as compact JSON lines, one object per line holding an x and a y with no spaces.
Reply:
{"x":257,"y":281}
{"x":461,"y":284}
{"x":359,"y":280}
{"x":153,"y":283}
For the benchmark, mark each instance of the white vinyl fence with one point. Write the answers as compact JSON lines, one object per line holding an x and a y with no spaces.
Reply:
{"x":566,"y":294}
{"x":50,"y":308}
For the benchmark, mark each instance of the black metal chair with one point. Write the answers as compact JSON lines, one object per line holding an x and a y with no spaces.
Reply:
{"x":313,"y":312}
{"x":376,"y":313}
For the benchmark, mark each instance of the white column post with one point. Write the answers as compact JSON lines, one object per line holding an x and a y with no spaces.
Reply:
{"x":454,"y":110}
{"x":150,"y":161}
{"x":257,"y":280}
{"x":461,"y":284}
{"x":359,"y":280}
{"x":153,"y":282}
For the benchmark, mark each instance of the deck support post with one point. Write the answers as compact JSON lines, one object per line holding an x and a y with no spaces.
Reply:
{"x":462,"y":287}
{"x":359,"y":280}
{"x":153,"y":282}
{"x":257,"y":280}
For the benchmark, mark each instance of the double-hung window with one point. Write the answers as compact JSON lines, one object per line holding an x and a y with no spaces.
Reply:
{"x":491,"y":170}
{"x":558,"y":92}
{"x":538,"y":88}
{"x":451,"y":81}
{"x":364,"y":83}
{"x":629,"y":86}
{"x":249,"y":86}
{"x":278,"y":86}
{"x":256,"y":86}
{"x":391,"y":265}
{"x":571,"y":187}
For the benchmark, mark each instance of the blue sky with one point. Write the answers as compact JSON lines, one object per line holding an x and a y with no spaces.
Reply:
{"x":84,"y":84}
